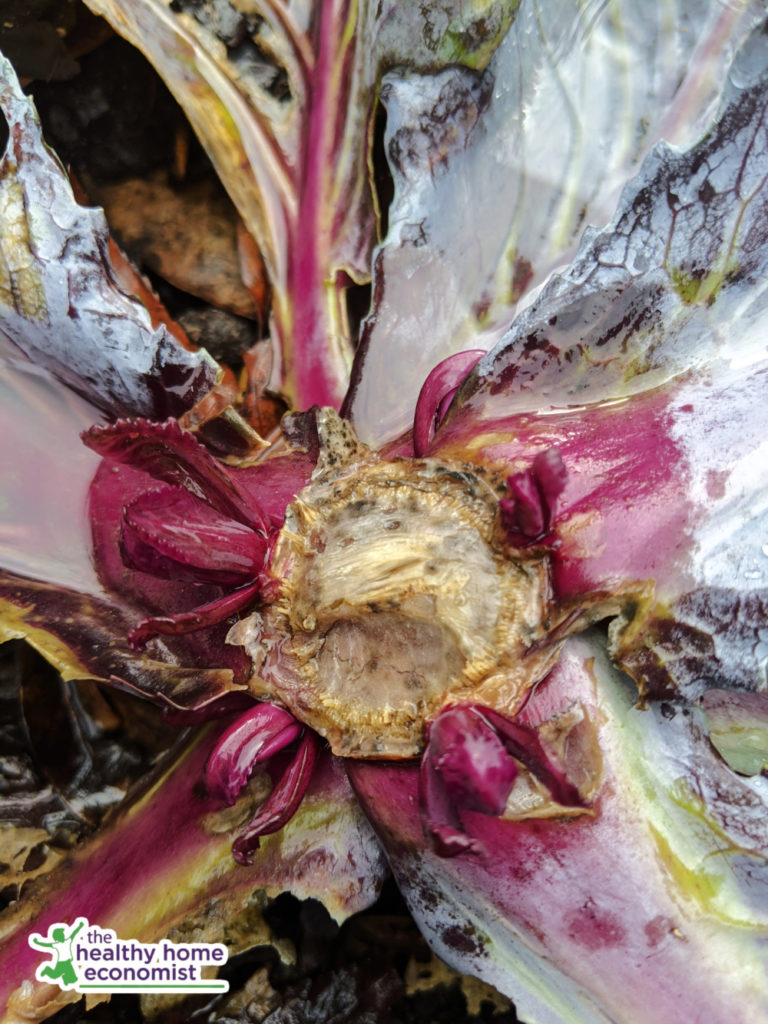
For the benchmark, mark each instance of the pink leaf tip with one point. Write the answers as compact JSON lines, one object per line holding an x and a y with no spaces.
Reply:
{"x":255,"y":738}
{"x":436,"y":393}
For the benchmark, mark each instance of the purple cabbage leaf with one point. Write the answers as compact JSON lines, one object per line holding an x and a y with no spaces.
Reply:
{"x":593,"y":859}
{"x":535,"y":135}
{"x":599,"y":917}
{"x":642,"y":364}
{"x":470,"y":110}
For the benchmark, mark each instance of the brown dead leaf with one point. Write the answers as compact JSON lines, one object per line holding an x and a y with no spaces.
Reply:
{"x":187,"y":234}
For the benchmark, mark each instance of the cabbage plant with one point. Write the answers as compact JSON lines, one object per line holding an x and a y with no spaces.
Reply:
{"x":489,"y":611}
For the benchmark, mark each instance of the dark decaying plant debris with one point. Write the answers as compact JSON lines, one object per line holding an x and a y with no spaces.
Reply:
{"x":69,"y":755}
{"x":375,"y":969}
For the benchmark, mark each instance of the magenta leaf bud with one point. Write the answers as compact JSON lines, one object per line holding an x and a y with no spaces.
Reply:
{"x":465,"y":767}
{"x":175,"y":536}
{"x":199,"y":618}
{"x":551,"y":476}
{"x":252,"y":739}
{"x":283,"y":802}
{"x":529,"y":511}
{"x":175,"y":456}
{"x":524,"y":511}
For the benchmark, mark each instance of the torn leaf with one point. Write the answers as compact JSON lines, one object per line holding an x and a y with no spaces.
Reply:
{"x":60,"y":304}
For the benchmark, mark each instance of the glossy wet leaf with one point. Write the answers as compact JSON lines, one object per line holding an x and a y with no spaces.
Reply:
{"x":86,"y":638}
{"x":61,"y":307}
{"x":644,"y":364}
{"x":497,"y":173}
{"x":738,"y":728}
